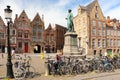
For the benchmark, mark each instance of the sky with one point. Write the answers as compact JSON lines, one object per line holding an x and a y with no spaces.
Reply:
{"x":55,"y":11}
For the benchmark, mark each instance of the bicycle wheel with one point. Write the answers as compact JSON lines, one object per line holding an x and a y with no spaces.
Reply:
{"x":20,"y":73}
{"x":30,"y":72}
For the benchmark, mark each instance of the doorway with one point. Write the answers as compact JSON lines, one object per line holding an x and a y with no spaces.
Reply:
{"x":26,"y":47}
{"x":37,"y":49}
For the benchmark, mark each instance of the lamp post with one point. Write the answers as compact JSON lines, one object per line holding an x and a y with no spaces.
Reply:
{"x":8,"y":14}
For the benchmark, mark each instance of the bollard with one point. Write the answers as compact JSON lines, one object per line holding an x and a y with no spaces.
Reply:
{"x":46,"y":68}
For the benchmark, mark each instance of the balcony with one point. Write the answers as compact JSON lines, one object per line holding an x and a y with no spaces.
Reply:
{"x":20,"y":28}
{"x":27,"y":29}
{"x":26,"y":38}
{"x":20,"y":38}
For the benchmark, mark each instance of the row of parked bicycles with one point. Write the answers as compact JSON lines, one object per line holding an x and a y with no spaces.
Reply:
{"x":23,"y":68}
{"x":73,"y":65}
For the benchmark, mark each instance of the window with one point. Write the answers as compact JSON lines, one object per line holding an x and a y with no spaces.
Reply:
{"x":96,"y":15}
{"x":99,"y":32}
{"x":34,"y":38}
{"x":118,"y":33}
{"x":103,"y":43}
{"x":19,"y":44}
{"x":93,"y":32}
{"x":40,"y":30}
{"x":99,"y":43}
{"x":34,"y":31}
{"x":26,"y":35}
{"x":26,"y":43}
{"x":25,"y":25}
{"x":103,"y":32}
{"x":114,"y":43}
{"x":39,"y":38}
{"x":19,"y":24}
{"x":111,"y":32}
{"x":103,"y":25}
{"x":13,"y":40}
{"x":93,"y":43}
{"x":119,"y":43}
{"x":115,"y":33}
{"x":47,"y":38}
{"x":99,"y":25}
{"x":108,"y":41}
{"x":96,"y":8}
{"x":93,"y":23}
{"x":13,"y":32}
{"x":1,"y":35}
{"x":108,"y":33}
{"x":20,"y":34}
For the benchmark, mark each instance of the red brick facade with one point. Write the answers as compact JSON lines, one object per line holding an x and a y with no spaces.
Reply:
{"x":30,"y":36}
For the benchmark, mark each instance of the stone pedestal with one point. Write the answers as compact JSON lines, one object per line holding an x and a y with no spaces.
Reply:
{"x":70,"y":44}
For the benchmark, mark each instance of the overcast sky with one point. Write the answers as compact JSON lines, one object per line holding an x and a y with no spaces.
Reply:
{"x":55,"y":11}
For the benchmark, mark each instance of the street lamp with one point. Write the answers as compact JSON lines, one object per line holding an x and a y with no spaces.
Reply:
{"x":8,"y":14}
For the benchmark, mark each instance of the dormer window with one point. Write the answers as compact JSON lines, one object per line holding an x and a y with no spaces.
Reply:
{"x":23,"y":17}
{"x":96,"y":8}
{"x":96,"y":15}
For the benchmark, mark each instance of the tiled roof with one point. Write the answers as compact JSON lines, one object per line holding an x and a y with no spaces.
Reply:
{"x":91,"y":5}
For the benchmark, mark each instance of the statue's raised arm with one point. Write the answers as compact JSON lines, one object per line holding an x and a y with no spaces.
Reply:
{"x":69,"y":18}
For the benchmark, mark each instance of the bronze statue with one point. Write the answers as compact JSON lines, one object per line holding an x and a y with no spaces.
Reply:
{"x":70,"y":24}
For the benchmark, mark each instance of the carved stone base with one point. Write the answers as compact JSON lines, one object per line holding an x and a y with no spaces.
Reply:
{"x":70,"y":44}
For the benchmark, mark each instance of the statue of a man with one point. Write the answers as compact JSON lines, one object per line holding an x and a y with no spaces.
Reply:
{"x":69,"y":18}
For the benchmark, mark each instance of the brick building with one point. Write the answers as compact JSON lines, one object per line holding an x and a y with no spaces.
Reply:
{"x":91,"y":29}
{"x":37,"y":36}
{"x":95,"y":33}
{"x":23,"y":33}
{"x":54,"y":38}
{"x":2,"y":35}
{"x":113,"y":35}
{"x":31,"y":36}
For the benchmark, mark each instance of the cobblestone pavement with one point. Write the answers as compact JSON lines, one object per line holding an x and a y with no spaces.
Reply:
{"x":38,"y":63}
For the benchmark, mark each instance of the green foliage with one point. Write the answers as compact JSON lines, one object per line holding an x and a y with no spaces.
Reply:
{"x":109,"y":53}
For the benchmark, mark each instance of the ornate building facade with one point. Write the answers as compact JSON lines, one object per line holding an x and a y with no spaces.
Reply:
{"x":37,"y":39}
{"x":54,"y":38}
{"x":91,"y":29}
{"x":2,"y":35}
{"x":113,"y":35}
{"x":31,"y":36}
{"x":96,"y":34}
{"x":23,"y":35}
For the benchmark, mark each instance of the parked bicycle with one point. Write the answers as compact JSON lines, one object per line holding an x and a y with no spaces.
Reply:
{"x":23,"y":68}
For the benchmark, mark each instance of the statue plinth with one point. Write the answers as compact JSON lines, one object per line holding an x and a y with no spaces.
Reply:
{"x":70,"y":44}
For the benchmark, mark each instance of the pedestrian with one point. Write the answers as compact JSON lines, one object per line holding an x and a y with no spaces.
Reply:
{"x":58,"y":59}
{"x":13,"y":54}
{"x":2,"y":55}
{"x":42,"y":55}
{"x":105,"y":54}
{"x":61,"y":52}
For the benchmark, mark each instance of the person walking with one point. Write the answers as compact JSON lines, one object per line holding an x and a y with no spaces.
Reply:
{"x":13,"y":54}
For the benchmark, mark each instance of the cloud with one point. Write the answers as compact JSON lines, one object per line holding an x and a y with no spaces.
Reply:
{"x":13,"y":5}
{"x":114,"y":13}
{"x":110,"y":6}
{"x":55,"y":11}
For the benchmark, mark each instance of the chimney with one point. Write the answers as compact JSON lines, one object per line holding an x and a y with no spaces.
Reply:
{"x":16,"y":16}
{"x":42,"y":17}
{"x":108,"y":17}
